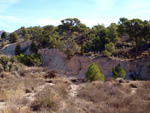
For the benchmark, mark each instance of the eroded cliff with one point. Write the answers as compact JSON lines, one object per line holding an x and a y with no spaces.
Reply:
{"x":77,"y":65}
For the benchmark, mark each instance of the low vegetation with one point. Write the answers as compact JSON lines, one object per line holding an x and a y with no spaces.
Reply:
{"x":118,"y":72}
{"x":93,"y":73}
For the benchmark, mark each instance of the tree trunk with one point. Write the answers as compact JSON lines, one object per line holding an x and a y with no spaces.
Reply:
{"x":136,"y":47}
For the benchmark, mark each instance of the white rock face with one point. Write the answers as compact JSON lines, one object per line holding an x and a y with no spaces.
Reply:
{"x":77,"y":65}
{"x":9,"y":49}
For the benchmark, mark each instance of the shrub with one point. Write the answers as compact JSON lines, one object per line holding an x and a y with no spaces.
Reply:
{"x":33,"y":47}
{"x":18,"y":50}
{"x":3,"y":35}
{"x":13,"y":38}
{"x":2,"y":44}
{"x":25,"y":34}
{"x":4,"y":62}
{"x":93,"y":73}
{"x":29,"y":60}
{"x":110,"y":47}
{"x":118,"y":72}
{"x":69,"y":47}
{"x":106,"y":53}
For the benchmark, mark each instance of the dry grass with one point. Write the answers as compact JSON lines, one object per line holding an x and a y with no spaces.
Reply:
{"x":116,"y":97}
{"x":51,"y":94}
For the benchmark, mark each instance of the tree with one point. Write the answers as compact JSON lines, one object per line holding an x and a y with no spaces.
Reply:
{"x":112,"y":33}
{"x":106,"y":53}
{"x":13,"y":37}
{"x":134,"y":28}
{"x":33,"y":47}
{"x":48,"y":30}
{"x":110,"y":47}
{"x":3,"y":35}
{"x":69,"y":47}
{"x":25,"y":34}
{"x":70,"y":25}
{"x":93,"y":73}
{"x":118,"y":72}
{"x":18,"y":50}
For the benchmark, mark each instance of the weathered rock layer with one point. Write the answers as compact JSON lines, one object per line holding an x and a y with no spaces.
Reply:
{"x":77,"y":65}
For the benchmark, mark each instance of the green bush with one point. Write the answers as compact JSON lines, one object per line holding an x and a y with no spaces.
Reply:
{"x":106,"y":53}
{"x":4,"y":35}
{"x":4,"y":62}
{"x":33,"y":47}
{"x":8,"y":64}
{"x":13,"y":37}
{"x":118,"y":72}
{"x":3,"y":44}
{"x":29,"y":60}
{"x":18,"y":50}
{"x":110,"y":47}
{"x":93,"y":73}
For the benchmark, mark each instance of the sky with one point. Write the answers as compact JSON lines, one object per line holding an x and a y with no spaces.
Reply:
{"x":18,"y":13}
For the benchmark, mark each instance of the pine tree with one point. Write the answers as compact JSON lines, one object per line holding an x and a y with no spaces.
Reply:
{"x":118,"y":72}
{"x":33,"y":47}
{"x":13,"y":37}
{"x":18,"y":49}
{"x":25,"y":34}
{"x":93,"y":73}
{"x":3,"y":35}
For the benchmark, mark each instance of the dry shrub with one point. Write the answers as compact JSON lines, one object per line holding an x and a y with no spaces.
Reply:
{"x":114,"y":97}
{"x":144,"y":91}
{"x":51,"y":74}
{"x":98,"y":91}
{"x":47,"y":101}
{"x":4,"y":74}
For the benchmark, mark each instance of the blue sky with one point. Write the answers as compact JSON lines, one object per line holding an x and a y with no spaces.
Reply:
{"x":17,"y":13}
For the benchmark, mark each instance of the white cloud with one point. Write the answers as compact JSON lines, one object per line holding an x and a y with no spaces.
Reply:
{"x":92,"y":22}
{"x":4,"y":4}
{"x":104,"y":4}
{"x":11,"y":19}
{"x":8,"y":1}
{"x":46,"y":21}
{"x":136,"y":4}
{"x":5,"y":25}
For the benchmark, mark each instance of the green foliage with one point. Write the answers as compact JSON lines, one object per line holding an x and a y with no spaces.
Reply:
{"x":48,"y":41}
{"x":18,"y":49}
{"x":4,"y":62}
{"x":69,"y":47}
{"x":110,"y":47}
{"x":25,"y":34}
{"x":13,"y":37}
{"x":98,"y":39}
{"x":112,"y":33}
{"x":118,"y":72}
{"x":33,"y":47}
{"x":48,"y":30}
{"x":3,"y":35}
{"x":8,"y":64}
{"x":2,"y":44}
{"x":29,"y":60}
{"x":136,"y":29}
{"x":148,"y":68}
{"x":93,"y":73}
{"x":106,"y":53}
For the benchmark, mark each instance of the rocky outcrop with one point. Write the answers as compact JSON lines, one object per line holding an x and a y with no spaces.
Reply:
{"x":77,"y":65}
{"x":9,"y":49}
